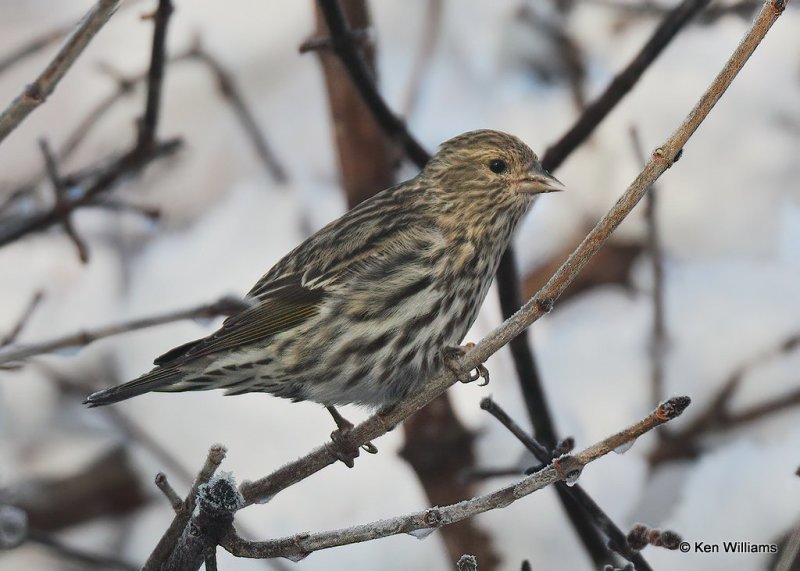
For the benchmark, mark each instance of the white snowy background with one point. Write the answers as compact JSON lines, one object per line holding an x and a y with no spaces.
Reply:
{"x":729,"y":214}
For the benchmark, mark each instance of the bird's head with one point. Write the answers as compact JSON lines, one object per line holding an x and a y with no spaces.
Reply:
{"x":488,"y":170}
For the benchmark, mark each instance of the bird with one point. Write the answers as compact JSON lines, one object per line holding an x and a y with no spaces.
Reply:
{"x":372,"y":305}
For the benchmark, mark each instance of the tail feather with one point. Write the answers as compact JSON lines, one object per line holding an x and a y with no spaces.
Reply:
{"x":156,"y":380}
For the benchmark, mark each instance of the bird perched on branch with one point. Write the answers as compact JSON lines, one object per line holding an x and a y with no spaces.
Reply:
{"x":368,"y":308}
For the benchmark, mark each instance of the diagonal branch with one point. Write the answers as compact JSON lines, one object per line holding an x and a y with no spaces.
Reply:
{"x":37,"y":92}
{"x":564,"y":469}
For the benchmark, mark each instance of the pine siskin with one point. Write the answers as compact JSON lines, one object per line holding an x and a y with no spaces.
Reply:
{"x":365,"y":309}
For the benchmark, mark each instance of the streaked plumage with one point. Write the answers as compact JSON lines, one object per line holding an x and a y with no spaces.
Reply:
{"x":361,"y":311}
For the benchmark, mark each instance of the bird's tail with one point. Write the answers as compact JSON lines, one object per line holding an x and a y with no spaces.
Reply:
{"x":156,"y":380}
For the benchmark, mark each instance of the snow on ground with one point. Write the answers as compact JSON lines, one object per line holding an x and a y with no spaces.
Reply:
{"x":731,"y":229}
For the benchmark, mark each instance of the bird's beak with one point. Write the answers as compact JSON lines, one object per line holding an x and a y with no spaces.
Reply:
{"x":540,"y":181}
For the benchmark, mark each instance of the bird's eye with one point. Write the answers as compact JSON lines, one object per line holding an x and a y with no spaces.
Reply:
{"x":498,"y":166}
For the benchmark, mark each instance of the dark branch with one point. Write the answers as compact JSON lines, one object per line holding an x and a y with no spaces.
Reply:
{"x":596,"y":111}
{"x":155,"y":76}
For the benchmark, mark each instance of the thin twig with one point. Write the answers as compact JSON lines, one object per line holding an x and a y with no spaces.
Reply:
{"x":658,"y":331}
{"x":717,"y":416}
{"x":430,"y":32}
{"x":162,"y":483}
{"x":129,"y":163}
{"x":742,"y":8}
{"x":59,"y":192}
{"x":543,"y":301}
{"x":565,"y":468}
{"x":576,"y":492}
{"x":223,"y":306}
{"x":231,"y":92}
{"x":41,"y":41}
{"x":23,"y":319}
{"x":37,"y":92}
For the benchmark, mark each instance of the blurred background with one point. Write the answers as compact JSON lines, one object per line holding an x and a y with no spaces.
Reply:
{"x":208,"y":218}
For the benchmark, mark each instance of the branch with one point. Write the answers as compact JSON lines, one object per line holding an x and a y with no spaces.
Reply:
{"x":59,"y":191}
{"x":155,"y":76}
{"x":596,"y":111}
{"x":129,"y":163}
{"x":41,"y":41}
{"x":576,"y":493}
{"x":718,"y":416}
{"x":230,"y":92}
{"x":223,"y":306}
{"x":566,"y":468}
{"x":543,"y":301}
{"x":37,"y":92}
{"x":342,"y":44}
{"x":22,"y":320}
{"x":167,"y":545}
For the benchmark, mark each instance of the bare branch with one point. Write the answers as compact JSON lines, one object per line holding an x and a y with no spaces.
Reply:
{"x":565,"y":468}
{"x":576,"y":493}
{"x":59,"y":191}
{"x":36,"y":93}
{"x":41,"y":41}
{"x":169,"y":540}
{"x":231,"y":92}
{"x":430,"y":32}
{"x":129,"y":163}
{"x":718,"y":416}
{"x":342,"y":44}
{"x":169,"y":492}
{"x":23,"y":319}
{"x":223,"y":306}
{"x":155,"y":76}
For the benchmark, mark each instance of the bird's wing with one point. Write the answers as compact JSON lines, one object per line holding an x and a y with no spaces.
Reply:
{"x":351,"y":256}
{"x":285,"y":305}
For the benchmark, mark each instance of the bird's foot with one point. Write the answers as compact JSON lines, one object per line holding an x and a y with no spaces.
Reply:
{"x":452,"y":354}
{"x":343,"y":447}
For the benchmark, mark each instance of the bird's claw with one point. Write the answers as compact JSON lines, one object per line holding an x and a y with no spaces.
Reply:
{"x":342,"y":446}
{"x":450,"y":355}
